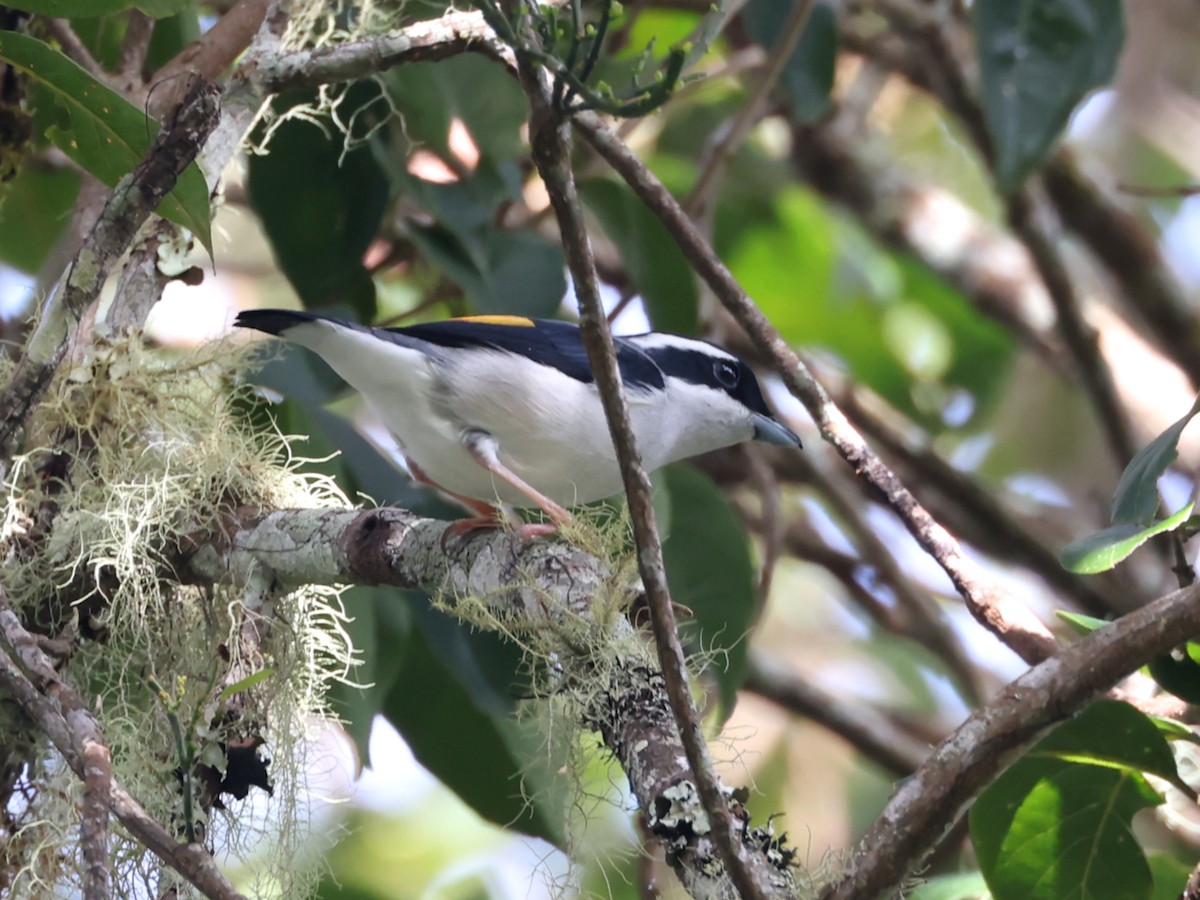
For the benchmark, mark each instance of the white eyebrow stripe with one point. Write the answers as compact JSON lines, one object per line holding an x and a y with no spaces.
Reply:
{"x":657,"y":340}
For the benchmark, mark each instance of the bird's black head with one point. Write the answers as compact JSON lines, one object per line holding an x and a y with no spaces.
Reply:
{"x":700,"y":363}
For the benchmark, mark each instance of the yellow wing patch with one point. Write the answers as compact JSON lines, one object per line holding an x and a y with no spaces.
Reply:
{"x":515,"y":321}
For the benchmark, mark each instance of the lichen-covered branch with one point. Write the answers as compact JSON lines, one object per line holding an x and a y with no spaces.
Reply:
{"x":28,"y":676}
{"x":528,"y":585}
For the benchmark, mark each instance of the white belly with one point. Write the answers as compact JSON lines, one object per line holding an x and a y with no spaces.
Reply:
{"x":549,"y":429}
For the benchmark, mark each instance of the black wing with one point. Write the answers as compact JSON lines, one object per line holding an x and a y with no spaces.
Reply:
{"x":546,"y":341}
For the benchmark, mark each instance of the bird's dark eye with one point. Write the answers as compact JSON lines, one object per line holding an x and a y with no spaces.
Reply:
{"x":727,"y":374}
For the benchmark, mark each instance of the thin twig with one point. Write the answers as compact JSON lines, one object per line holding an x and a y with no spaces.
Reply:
{"x":717,"y":157}
{"x":139,"y":28}
{"x":72,"y":46}
{"x":1079,"y":337}
{"x":988,"y":602}
{"x":869,"y":731}
{"x":552,"y":157}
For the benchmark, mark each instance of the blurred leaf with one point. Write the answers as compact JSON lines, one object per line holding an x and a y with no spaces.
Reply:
{"x":808,"y":76}
{"x":1038,"y":59}
{"x":429,"y":96}
{"x":961,"y":886}
{"x":490,"y":668}
{"x":656,"y":265}
{"x":160,"y":9}
{"x":1058,"y":822}
{"x":758,"y":233}
{"x":1082,"y":624}
{"x":170,"y":36}
{"x":321,"y":207}
{"x":1175,"y":731}
{"x":707,"y":556}
{"x":1178,"y":672}
{"x":92,"y":8}
{"x":69,"y":8}
{"x":1136,"y":497}
{"x":501,"y":271}
{"x":245,"y":684}
{"x":378,"y":626}
{"x":34,"y":211}
{"x":107,"y":134}
{"x":1170,"y":877}
{"x":1101,"y":551}
{"x":465,"y":748}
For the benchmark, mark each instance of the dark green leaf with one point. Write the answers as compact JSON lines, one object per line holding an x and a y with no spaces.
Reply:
{"x":657,"y":267}
{"x":1178,"y":672}
{"x":501,"y":271}
{"x":1136,"y":497}
{"x":465,"y":748}
{"x":34,"y":211}
{"x":160,"y":9}
{"x":93,"y":8}
{"x":107,"y":135}
{"x":1038,"y":59}
{"x":808,"y":76}
{"x":322,"y":208}
{"x":378,"y":626}
{"x":170,"y":36}
{"x":707,"y":556}
{"x":1101,"y":551}
{"x":69,"y":8}
{"x":1058,"y":822}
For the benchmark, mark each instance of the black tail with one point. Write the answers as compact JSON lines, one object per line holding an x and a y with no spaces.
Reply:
{"x":277,"y":321}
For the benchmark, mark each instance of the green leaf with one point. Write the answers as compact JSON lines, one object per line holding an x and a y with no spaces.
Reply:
{"x":160,"y":9}
{"x":959,"y":886}
{"x":34,"y":211}
{"x":1178,"y":672}
{"x":1170,"y":877}
{"x":656,"y":265}
{"x":245,"y":684}
{"x":94,"y":8}
{"x":321,"y":208}
{"x":1101,"y":551}
{"x":1057,"y":824}
{"x":378,"y":625}
{"x":69,"y":8}
{"x":107,"y":135}
{"x":808,"y":76}
{"x":1038,"y":59}
{"x":466,"y":748}
{"x":1083,"y":624}
{"x":707,"y":555}
{"x":1136,"y":497}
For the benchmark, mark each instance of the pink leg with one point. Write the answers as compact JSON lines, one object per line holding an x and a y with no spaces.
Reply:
{"x":482,"y":447}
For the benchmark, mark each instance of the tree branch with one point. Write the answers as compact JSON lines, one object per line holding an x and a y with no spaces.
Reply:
{"x":929,"y":803}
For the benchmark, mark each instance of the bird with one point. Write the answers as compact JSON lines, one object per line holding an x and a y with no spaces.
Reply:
{"x":499,"y":409}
